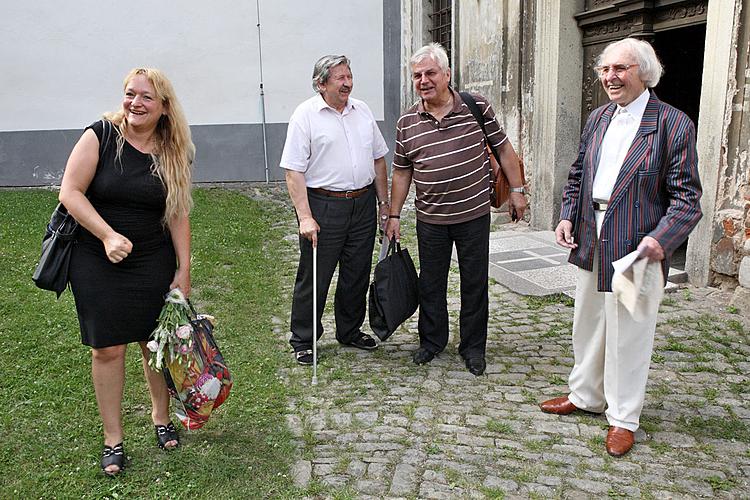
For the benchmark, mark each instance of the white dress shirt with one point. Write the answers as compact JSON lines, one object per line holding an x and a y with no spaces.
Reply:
{"x":617,"y":140}
{"x":335,"y":150}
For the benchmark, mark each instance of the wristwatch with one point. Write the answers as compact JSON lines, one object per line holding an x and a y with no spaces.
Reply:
{"x":518,"y":190}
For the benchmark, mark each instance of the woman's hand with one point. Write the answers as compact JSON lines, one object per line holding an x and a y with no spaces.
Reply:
{"x":182,"y":281}
{"x":117,"y":247}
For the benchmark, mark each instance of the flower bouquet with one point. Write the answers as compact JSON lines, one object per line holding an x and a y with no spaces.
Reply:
{"x":173,"y":337}
{"x":183,"y":347}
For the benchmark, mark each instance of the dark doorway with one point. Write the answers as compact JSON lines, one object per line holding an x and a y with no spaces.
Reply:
{"x":681,"y":53}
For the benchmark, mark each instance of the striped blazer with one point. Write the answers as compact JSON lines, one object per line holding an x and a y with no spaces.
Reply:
{"x":656,"y":193}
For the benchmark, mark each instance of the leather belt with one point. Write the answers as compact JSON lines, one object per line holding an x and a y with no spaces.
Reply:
{"x":600,"y":207}
{"x":356,"y":193}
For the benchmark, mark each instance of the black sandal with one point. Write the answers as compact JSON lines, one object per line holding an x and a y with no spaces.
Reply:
{"x":165,"y":434}
{"x":113,"y":455}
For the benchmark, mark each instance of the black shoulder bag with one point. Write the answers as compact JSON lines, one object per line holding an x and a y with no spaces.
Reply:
{"x":51,"y":272}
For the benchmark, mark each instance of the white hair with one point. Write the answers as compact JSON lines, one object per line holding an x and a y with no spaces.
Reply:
{"x":436,"y":52}
{"x":650,"y":68}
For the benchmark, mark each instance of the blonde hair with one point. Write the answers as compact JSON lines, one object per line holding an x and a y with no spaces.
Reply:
{"x":173,"y":152}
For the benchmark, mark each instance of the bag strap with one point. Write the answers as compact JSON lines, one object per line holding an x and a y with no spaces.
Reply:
{"x":192,"y":308}
{"x":393,"y":247}
{"x":474,"y":108}
{"x":472,"y":105}
{"x":106,"y":134}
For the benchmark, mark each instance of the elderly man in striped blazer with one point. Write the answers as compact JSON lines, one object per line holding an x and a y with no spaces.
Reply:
{"x":442,"y":147}
{"x":634,"y":185}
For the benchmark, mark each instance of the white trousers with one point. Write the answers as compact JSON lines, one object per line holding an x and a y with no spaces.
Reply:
{"x":612,"y":353}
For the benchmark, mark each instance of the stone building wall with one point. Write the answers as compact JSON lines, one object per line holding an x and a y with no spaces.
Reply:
{"x":527,"y":57}
{"x":730,"y":258}
{"x":493,"y":55}
{"x":496,"y":59}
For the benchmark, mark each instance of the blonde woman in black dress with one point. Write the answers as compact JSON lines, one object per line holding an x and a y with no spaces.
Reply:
{"x":133,"y":202}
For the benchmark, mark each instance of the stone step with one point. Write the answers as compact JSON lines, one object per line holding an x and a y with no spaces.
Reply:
{"x":677,"y":276}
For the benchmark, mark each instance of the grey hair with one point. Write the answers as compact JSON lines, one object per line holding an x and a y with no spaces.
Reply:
{"x":322,"y":70}
{"x":650,"y":68}
{"x":436,"y":52}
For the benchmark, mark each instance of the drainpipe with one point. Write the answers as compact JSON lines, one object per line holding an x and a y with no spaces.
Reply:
{"x":262,"y":94}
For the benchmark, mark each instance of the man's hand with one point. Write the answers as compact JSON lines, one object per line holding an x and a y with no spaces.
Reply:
{"x":393,"y":229}
{"x":564,"y":234}
{"x":651,"y":249}
{"x":517,"y":203}
{"x":308,"y":229}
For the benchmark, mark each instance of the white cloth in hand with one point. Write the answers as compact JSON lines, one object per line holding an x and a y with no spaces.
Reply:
{"x":638,"y":285}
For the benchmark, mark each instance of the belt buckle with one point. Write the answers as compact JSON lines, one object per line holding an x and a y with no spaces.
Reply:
{"x":347,"y":194}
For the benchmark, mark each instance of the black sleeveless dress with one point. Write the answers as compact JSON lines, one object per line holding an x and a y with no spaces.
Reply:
{"x":120,"y":303}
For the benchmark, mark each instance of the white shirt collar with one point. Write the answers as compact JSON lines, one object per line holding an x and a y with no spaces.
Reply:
{"x":637,"y":107}
{"x":322,"y":104}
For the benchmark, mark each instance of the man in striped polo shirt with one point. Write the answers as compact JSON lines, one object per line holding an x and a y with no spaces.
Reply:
{"x":634,"y":186}
{"x":441,"y":146}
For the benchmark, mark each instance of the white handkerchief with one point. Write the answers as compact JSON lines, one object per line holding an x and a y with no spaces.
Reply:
{"x":638,"y":285}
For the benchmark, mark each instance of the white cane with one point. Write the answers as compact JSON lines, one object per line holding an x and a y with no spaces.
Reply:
{"x":314,"y":314}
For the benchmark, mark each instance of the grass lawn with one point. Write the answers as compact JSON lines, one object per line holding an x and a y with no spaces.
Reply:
{"x":50,"y":433}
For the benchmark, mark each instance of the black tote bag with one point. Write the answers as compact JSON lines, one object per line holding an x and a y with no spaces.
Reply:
{"x":393,"y":292}
{"x":51,"y":272}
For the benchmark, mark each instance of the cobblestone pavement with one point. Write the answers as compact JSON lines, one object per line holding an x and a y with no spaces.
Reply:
{"x":378,"y":426}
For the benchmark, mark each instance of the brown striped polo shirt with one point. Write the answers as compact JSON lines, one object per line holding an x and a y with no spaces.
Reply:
{"x":449,"y":160}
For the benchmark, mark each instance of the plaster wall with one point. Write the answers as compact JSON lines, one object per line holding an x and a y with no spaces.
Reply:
{"x":731,"y":236}
{"x":557,"y":107}
{"x":63,"y":67}
{"x":68,"y":67}
{"x":493,"y":63}
{"x":528,"y":65}
{"x":718,"y":92}
{"x":414,"y":34}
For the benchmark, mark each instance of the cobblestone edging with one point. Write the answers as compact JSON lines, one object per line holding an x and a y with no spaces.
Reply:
{"x":378,"y":426}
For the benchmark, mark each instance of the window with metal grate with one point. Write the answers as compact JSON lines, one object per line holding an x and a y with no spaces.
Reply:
{"x":441,"y":20}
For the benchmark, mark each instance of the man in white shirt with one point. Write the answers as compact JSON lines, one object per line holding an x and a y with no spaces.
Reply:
{"x":634,"y":186}
{"x":336,"y":177}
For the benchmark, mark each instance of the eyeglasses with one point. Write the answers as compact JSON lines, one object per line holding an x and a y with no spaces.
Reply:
{"x":617,"y":69}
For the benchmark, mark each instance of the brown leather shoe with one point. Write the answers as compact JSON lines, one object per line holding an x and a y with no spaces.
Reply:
{"x":619,"y":441}
{"x":558,"y":406}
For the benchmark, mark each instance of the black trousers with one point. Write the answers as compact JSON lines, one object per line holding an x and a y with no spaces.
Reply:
{"x":472,"y":240}
{"x":346,"y":240}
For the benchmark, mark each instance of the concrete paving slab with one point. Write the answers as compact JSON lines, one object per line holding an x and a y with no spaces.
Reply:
{"x":530,"y":263}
